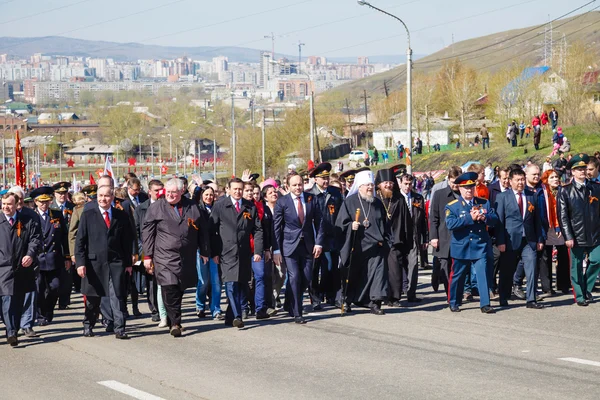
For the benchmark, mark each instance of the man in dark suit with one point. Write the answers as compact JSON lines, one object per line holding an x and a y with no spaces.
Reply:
{"x":232,"y":221}
{"x":103,"y":253}
{"x":329,"y":200}
{"x":295,"y":223}
{"x":62,"y":204}
{"x":419,"y":240}
{"x":495,"y":188}
{"x":439,"y":235}
{"x":135,"y":196}
{"x":20,"y":242}
{"x":54,"y":256}
{"x":518,"y":235}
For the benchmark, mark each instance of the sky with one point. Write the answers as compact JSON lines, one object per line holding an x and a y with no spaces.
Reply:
{"x":330,"y":28}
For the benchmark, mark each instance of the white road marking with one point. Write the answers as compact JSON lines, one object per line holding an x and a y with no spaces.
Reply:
{"x":581,"y":361}
{"x":129,"y":391}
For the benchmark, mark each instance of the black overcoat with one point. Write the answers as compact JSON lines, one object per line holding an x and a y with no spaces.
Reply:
{"x":105,"y":252}
{"x":230,"y":238}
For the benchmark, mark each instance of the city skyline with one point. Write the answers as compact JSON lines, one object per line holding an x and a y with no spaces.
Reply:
{"x":327,"y":29}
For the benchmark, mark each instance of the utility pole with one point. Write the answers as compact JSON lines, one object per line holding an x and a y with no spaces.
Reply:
{"x":312,"y":129}
{"x":385,"y":89}
{"x":205,"y":109}
{"x":233,"y":138}
{"x":264,"y":160}
{"x":348,"y":110}
{"x":300,"y":44}
{"x":215,"y":155}
{"x":366,"y":107}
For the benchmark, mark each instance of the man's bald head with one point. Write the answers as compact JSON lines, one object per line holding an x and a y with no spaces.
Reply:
{"x":106,"y":180}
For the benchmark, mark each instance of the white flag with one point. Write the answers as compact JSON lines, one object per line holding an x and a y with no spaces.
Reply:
{"x":108,"y":170}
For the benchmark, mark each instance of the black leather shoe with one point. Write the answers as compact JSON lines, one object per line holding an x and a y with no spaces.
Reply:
{"x":29,"y":332}
{"x":62,"y":308}
{"x":110,"y":328}
{"x":414,"y":300}
{"x":238,"y":323}
{"x":299,"y":320}
{"x":272,"y":312}
{"x":503,"y":303}
{"x":488,"y":310}
{"x":317,"y":307}
{"x":395,"y":303}
{"x":88,"y":333}
{"x":176,"y":331}
{"x":12,"y":340}
{"x":201,"y":314}
{"x":43,"y":322}
{"x":121,"y":335}
{"x":454,"y":309}
{"x":535,"y":306}
{"x":589,"y":298}
{"x":262,"y":315}
{"x":156,"y":318}
{"x":376,"y":309}
{"x":582,"y":303}
{"x":136,"y":312}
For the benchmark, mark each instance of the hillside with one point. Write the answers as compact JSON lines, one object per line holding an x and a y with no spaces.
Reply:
{"x":499,"y":50}
{"x":57,"y":45}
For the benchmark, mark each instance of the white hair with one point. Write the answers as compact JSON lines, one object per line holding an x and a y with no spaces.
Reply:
{"x":176,"y":183}
{"x":18,"y":190}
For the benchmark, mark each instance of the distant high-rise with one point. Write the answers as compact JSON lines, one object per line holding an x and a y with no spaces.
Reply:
{"x":266,"y":68}
{"x":363,"y":60}
{"x":100,"y":65}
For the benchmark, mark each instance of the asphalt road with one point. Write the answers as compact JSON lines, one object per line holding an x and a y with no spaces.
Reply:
{"x":413,"y":352}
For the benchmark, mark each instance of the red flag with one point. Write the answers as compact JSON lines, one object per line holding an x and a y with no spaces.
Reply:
{"x":20,"y":167}
{"x":92,"y":180}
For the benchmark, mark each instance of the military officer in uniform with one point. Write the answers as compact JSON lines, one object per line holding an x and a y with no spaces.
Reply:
{"x":347,"y":179}
{"x":325,"y":280}
{"x":61,"y":203}
{"x":467,"y":219}
{"x":579,"y":219}
{"x":54,"y":256}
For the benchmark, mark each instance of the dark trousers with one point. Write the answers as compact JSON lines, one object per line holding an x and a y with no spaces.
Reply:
{"x":132,"y":290}
{"x":48,"y":292}
{"x":486,"y":141}
{"x":441,"y":268}
{"x":411,"y":273}
{"x":494,"y":280}
{"x":12,"y":307}
{"x":234,"y":292}
{"x":152,"y":293}
{"x":508,"y":261}
{"x":325,"y":277}
{"x":563,"y":282}
{"x":29,"y":313}
{"x":263,"y":285}
{"x":116,"y":305}
{"x":172,"y":296}
{"x":299,"y":270}
{"x":65,"y":284}
{"x":460,"y":270}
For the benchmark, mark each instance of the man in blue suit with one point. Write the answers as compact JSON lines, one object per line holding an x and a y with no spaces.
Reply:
{"x":468,"y":219}
{"x":519,"y":235}
{"x":298,"y":239}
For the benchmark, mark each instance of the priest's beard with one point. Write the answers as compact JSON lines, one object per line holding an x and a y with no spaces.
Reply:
{"x":367,"y":197}
{"x":386,"y":193}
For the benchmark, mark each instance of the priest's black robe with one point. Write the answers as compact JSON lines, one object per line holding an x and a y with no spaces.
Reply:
{"x":364,"y":252}
{"x":401,"y":229}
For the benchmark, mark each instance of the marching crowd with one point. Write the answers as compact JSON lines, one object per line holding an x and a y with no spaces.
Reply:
{"x":352,"y":239}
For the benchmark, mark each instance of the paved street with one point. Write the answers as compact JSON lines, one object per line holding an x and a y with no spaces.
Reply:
{"x":421,"y":352}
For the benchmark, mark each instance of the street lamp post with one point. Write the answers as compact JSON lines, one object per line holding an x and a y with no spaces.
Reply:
{"x":408,"y":83}
{"x":233,"y":138}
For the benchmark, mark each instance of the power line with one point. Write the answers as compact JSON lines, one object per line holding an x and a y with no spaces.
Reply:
{"x":44,"y":12}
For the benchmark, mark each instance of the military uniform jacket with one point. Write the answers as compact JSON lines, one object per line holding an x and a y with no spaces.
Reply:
{"x":419,"y":219}
{"x":55,"y":243}
{"x":329,"y":203}
{"x":67,"y":211}
{"x":172,"y":241}
{"x":23,"y":238}
{"x":230,"y":238}
{"x":469,"y":239}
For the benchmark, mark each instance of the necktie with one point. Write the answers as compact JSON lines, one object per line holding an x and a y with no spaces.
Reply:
{"x":237,"y":207}
{"x":11,"y":221}
{"x":471,"y":203}
{"x":520,"y":202}
{"x":44,"y":216}
{"x":300,"y":211}
{"x":106,"y":219}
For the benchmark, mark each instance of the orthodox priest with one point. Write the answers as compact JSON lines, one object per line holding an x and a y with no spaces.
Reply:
{"x":397,"y":218}
{"x":365,"y":236}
